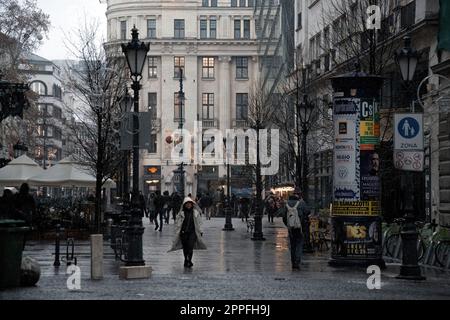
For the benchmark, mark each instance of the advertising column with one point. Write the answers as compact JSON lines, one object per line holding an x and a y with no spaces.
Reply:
{"x":356,"y":222}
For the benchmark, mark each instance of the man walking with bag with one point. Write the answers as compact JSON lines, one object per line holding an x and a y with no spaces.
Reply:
{"x":292,"y":214}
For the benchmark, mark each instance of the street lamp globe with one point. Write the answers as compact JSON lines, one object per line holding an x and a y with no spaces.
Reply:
{"x":407,"y":58}
{"x":135,"y":52}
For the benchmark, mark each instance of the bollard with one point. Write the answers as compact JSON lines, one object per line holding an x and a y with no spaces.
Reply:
{"x":70,"y":258}
{"x":96,"y":256}
{"x":57,"y":263}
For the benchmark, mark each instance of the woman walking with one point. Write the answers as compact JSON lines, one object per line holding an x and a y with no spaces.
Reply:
{"x":188,"y":234}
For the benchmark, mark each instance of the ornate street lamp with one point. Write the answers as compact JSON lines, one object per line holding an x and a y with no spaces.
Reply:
{"x":12,"y":99}
{"x":228,"y":222}
{"x":135,"y":53}
{"x":407,"y":58}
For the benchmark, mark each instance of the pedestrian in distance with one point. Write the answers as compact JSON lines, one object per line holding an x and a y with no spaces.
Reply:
{"x":7,"y":210}
{"x":166,"y":207}
{"x":188,"y":233}
{"x":292,"y":214}
{"x":159,"y":204}
{"x":25,"y":204}
{"x":176,"y":204}
{"x":143,"y":205}
{"x":151,"y":207}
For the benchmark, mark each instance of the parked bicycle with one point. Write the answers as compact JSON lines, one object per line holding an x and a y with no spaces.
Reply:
{"x":392,"y":246}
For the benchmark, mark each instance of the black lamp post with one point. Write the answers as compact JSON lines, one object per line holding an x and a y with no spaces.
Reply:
{"x":228,"y":222}
{"x":407,"y":58}
{"x":181,"y":98}
{"x":12,"y":99}
{"x":135,"y":53}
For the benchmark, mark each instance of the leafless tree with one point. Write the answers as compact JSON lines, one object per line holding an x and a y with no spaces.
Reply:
{"x":305,"y":124}
{"x":22,"y":27}
{"x":352,"y":40}
{"x":98,"y":83}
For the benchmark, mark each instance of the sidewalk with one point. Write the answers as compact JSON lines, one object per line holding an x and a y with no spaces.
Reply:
{"x":233,"y":267}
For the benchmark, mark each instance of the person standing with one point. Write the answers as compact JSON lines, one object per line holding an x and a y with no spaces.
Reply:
{"x":24,"y":204}
{"x":151,"y":207}
{"x":188,"y":233}
{"x":176,"y":204}
{"x":292,"y":214}
{"x":166,"y":207}
{"x":270,"y":206}
{"x":159,"y":204}
{"x":142,"y":205}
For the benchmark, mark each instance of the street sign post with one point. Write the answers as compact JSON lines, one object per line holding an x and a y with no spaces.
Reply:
{"x":408,"y":142}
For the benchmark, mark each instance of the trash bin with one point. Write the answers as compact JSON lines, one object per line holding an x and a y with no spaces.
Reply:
{"x":12,"y":235}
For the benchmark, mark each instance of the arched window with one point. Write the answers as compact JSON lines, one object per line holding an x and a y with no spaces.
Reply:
{"x":39,"y":87}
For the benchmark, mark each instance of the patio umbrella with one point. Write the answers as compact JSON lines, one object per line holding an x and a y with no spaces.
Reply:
{"x":66,"y":173}
{"x":19,"y":171}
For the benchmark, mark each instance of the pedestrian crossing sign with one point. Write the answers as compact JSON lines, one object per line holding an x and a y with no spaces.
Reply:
{"x":408,"y":131}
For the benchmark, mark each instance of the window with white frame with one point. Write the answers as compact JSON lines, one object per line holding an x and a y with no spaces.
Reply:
{"x":208,"y":67}
{"x":241,"y":67}
{"x":151,"y":28}
{"x":208,"y":106}
{"x":152,"y":67}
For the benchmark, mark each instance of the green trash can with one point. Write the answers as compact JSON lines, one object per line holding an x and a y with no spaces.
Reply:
{"x":12,"y":235}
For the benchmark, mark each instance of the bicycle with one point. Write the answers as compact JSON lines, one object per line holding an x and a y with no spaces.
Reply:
{"x":442,"y":253}
{"x":393,"y":242}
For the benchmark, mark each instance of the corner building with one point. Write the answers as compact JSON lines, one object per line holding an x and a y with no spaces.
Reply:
{"x":215,"y":44}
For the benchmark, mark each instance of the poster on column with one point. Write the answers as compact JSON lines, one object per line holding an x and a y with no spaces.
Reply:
{"x":346,"y":184}
{"x":370,"y":175}
{"x":369,"y":124}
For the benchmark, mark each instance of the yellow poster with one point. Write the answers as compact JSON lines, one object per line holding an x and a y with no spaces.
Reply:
{"x":356,"y":208}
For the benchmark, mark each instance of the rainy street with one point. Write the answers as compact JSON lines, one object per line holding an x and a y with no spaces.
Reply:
{"x":233,"y":268}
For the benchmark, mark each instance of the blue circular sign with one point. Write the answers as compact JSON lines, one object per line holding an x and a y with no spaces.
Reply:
{"x":408,"y":128}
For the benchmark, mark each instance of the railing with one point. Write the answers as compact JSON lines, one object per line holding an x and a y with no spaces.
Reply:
{"x":240,"y":123}
{"x":209,"y":123}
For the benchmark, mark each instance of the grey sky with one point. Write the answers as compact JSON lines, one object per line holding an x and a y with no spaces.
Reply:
{"x":65,"y":15}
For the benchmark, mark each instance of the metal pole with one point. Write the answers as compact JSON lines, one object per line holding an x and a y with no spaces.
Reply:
{"x":409,"y":269}
{"x":181,"y":98}
{"x":57,"y":263}
{"x":228,"y":220}
{"x":136,"y":87}
{"x":134,"y":230}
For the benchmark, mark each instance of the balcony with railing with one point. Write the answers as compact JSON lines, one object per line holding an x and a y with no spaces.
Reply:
{"x":240,"y":123}
{"x":210,"y":123}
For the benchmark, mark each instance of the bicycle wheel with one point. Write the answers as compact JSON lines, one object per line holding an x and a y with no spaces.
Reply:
{"x":442,"y":252}
{"x":391,"y":245}
{"x":421,"y":249}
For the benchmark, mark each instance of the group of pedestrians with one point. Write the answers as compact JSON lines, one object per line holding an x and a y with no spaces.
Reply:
{"x":295,"y":212}
{"x":20,"y":206}
{"x":159,"y":206}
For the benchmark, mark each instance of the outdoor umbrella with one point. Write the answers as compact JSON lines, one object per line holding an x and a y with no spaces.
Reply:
{"x":19,"y":171}
{"x":66,"y":173}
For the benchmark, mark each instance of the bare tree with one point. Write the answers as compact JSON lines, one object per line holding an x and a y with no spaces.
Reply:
{"x":353,"y":40}
{"x":261,"y":110}
{"x":100,"y":87}
{"x":299,"y":116}
{"x":22,"y":27}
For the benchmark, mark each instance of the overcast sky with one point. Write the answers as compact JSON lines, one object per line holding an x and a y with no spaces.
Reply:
{"x":65,"y":15}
